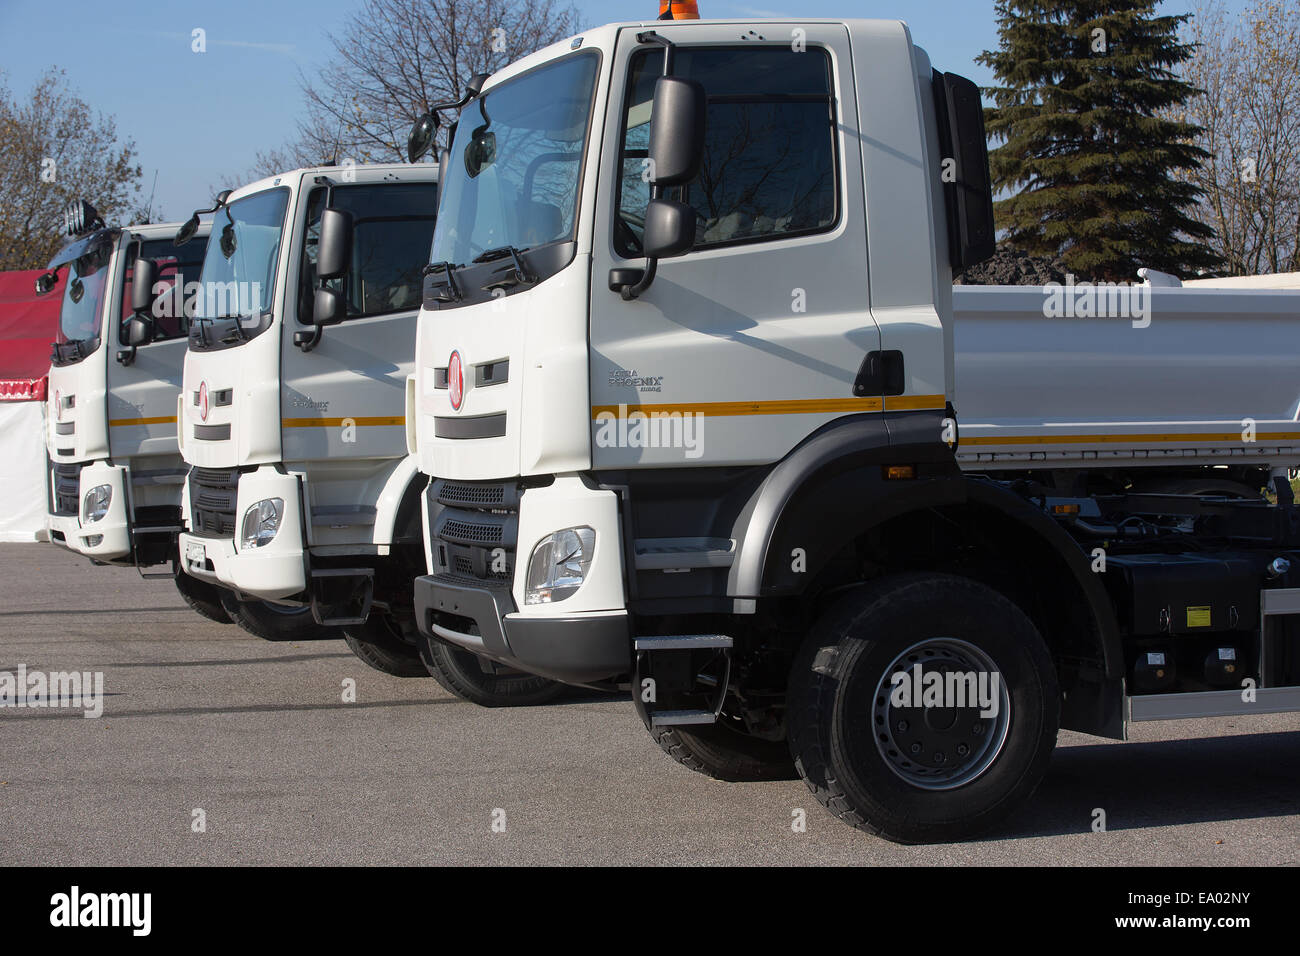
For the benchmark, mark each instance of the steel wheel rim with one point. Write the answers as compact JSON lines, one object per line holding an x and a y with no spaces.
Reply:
{"x":952,"y":753}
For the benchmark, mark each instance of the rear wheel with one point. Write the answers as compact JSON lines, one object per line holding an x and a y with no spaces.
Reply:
{"x":203,"y":598}
{"x":470,"y":678}
{"x":951,"y":764}
{"x":726,"y":753}
{"x":380,"y":643}
{"x":276,"y":622}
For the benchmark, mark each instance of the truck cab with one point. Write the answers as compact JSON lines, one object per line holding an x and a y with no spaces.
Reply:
{"x":684,"y":392}
{"x":115,"y":469}
{"x":301,"y":501}
{"x":650,"y":419}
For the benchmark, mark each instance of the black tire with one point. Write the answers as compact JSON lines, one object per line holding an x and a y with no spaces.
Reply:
{"x":203,"y":598}
{"x":458,"y":672}
{"x":274,"y":622}
{"x":837,"y":712}
{"x":380,"y":644}
{"x":724,"y":753}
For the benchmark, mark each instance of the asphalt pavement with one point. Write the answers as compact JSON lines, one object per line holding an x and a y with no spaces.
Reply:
{"x":217,"y":747}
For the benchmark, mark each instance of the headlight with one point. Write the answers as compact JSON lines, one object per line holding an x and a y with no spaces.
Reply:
{"x":95,"y":505}
{"x":261,"y":522}
{"x":559,"y":565}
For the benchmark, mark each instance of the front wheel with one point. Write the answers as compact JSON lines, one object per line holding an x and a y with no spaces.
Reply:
{"x":923,"y":708}
{"x":381,"y":644}
{"x":203,"y":598}
{"x":461,"y":673}
{"x":276,"y":622}
{"x":725,"y":752}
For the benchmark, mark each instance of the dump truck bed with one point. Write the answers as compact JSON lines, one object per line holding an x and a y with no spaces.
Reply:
{"x":1188,"y":375}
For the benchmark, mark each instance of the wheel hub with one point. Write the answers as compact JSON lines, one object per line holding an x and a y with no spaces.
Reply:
{"x":940,"y":714}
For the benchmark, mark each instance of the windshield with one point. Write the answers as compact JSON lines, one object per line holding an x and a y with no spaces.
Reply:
{"x":83,"y":295}
{"x":238,"y":283}
{"x":512,"y":178}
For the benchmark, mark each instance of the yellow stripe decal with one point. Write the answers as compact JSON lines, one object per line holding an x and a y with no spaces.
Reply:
{"x":900,"y":403}
{"x":1113,"y":439}
{"x":162,"y":420}
{"x":399,"y":421}
{"x":795,"y":406}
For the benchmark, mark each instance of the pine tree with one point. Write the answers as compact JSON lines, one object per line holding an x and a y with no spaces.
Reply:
{"x":1093,"y":169}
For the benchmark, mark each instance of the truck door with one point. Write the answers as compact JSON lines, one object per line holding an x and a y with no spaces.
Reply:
{"x":142,"y":391}
{"x":343,"y":402}
{"x":757,"y":336}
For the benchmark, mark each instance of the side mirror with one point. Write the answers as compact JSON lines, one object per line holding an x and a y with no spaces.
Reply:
{"x":47,"y":281}
{"x":676,"y":131}
{"x":187,"y":230}
{"x":144,"y":274}
{"x":669,"y":229}
{"x":422,"y":136}
{"x":139,"y":331}
{"x":334,"y":250}
{"x":328,"y":308}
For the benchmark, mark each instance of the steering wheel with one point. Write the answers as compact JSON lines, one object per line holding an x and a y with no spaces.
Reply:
{"x":627,"y":237}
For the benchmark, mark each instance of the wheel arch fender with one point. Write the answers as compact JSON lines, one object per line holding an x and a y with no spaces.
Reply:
{"x":398,"y":501}
{"x":831,"y":489}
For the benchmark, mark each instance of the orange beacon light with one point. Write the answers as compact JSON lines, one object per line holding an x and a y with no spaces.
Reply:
{"x":679,"y":10}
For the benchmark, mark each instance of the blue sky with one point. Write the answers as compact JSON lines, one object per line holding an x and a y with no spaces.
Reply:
{"x":198,"y":120}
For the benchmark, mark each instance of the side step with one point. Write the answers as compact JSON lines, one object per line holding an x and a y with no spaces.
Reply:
{"x":683,"y":642}
{"x":341,"y":596}
{"x":171,"y":530}
{"x":719,"y":644}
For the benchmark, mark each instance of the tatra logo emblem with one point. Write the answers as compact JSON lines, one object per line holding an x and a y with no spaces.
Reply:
{"x":455,"y":380}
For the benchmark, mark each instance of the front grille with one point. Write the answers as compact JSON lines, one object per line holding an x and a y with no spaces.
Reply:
{"x":213,"y":494}
{"x":459,"y":492}
{"x":66,"y":481}
{"x":475,"y":530}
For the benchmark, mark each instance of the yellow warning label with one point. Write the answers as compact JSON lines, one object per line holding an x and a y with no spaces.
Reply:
{"x":1198,"y":617}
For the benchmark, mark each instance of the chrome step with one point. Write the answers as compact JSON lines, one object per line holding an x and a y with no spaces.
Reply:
{"x":683,"y":642}
{"x":668,"y":718}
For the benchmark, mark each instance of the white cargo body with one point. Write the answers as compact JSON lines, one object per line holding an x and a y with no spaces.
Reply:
{"x":1188,"y":376}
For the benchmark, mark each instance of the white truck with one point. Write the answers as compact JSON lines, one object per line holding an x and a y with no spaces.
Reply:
{"x":689,"y":359}
{"x":115,"y":473}
{"x":302,"y":501}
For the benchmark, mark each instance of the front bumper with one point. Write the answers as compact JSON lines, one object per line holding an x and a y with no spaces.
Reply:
{"x":276,"y":570}
{"x":109,"y":538}
{"x":578,"y":648}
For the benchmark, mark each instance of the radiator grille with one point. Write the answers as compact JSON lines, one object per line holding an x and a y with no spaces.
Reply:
{"x":213,"y":494}
{"x":66,"y":480}
{"x":475,"y":530}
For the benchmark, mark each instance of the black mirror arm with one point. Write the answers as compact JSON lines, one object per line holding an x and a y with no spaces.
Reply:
{"x":307,"y":339}
{"x":630,"y":292}
{"x":669,"y":48}
{"x":126,"y":356}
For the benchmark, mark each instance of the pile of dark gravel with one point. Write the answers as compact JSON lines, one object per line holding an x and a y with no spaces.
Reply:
{"x":1014,"y":267}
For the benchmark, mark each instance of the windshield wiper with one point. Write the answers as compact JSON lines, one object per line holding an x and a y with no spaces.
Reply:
{"x":450,"y":288}
{"x":521,"y":271}
{"x":236,"y":328}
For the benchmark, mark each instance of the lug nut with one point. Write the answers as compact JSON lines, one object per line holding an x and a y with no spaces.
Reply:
{"x":978,"y":728}
{"x":902,"y":726}
{"x":962,"y":750}
{"x":939,"y":757}
{"x":916,"y":748}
